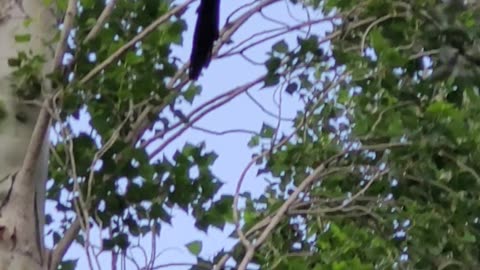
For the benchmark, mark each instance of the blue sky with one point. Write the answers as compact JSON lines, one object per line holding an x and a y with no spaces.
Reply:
{"x":222,"y":75}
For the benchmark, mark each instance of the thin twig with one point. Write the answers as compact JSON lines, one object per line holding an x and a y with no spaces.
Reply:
{"x":236,"y":92}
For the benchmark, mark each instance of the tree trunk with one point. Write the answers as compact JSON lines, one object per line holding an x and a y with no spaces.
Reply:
{"x":21,"y":224}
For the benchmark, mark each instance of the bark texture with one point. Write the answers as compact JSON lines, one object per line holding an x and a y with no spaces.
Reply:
{"x":21,"y":225}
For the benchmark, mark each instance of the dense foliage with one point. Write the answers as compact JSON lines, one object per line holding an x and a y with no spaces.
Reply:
{"x":379,"y":173}
{"x":393,"y":151}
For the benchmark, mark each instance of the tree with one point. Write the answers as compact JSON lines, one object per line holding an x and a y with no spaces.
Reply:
{"x":23,"y":167}
{"x":378,"y":173}
{"x":381,"y":171}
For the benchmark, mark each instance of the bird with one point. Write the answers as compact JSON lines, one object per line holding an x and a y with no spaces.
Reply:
{"x":205,"y":35}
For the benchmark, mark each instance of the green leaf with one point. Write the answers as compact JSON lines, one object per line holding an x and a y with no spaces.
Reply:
{"x":132,"y":58}
{"x":273,"y":64}
{"x":271,"y":80}
{"x":254,"y":141}
{"x":22,"y":38}
{"x":267,"y":131}
{"x":308,"y":45}
{"x":280,"y":47}
{"x":379,"y":43}
{"x":194,"y":247}
{"x":68,"y":265}
{"x":191,"y":92}
{"x":469,"y":238}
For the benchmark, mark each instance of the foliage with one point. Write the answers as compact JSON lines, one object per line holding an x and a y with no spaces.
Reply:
{"x":397,"y":185}
{"x":379,"y":173}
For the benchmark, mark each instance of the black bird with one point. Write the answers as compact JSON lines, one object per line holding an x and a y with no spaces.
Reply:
{"x":206,"y":32}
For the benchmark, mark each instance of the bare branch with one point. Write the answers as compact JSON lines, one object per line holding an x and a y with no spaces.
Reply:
{"x":224,"y":132}
{"x":64,"y":243}
{"x":67,"y":26}
{"x":233,"y":93}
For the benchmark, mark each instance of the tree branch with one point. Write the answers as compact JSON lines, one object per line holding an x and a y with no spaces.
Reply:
{"x":64,"y":244}
{"x":107,"y":11}
{"x":67,"y":26}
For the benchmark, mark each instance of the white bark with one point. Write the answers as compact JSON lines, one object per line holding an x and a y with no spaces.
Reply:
{"x":16,"y":127}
